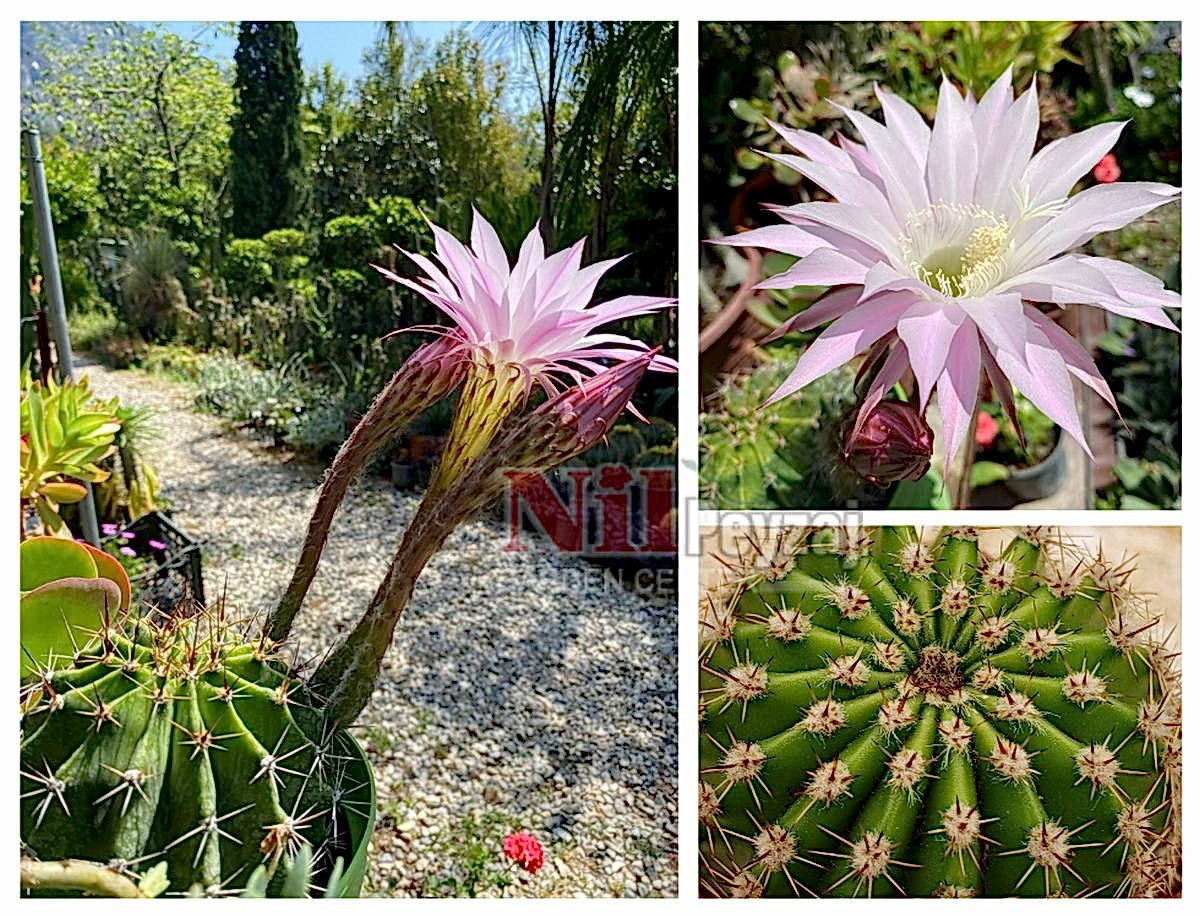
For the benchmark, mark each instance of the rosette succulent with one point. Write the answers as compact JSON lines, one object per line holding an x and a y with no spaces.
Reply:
{"x":883,"y":714}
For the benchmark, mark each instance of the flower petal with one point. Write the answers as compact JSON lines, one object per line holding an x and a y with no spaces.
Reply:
{"x":849,"y":336}
{"x":784,"y":237}
{"x":823,"y":268}
{"x":836,"y":302}
{"x":1060,"y":164}
{"x":950,"y":171}
{"x":1040,"y":373}
{"x":1094,"y":210}
{"x":906,"y":123}
{"x":927,"y":330}
{"x":958,"y":390}
{"x":1079,"y":362}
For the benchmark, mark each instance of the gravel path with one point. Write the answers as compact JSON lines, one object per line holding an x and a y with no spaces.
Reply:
{"x":523,"y":690}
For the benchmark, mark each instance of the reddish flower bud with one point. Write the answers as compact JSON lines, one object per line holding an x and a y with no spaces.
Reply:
{"x":892,"y":443}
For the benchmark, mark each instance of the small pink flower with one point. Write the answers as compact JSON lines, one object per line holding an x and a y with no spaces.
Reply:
{"x":157,"y":545}
{"x":128,"y":534}
{"x":525,"y":850}
{"x":108,"y":529}
{"x":986,"y":429}
{"x":1107,"y":170}
{"x":127,"y":551}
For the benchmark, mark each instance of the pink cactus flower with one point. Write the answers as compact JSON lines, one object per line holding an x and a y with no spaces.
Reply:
{"x":940,"y":241}
{"x":534,"y":315}
{"x":525,"y":850}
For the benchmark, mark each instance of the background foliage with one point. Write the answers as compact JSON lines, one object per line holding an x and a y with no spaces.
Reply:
{"x":232,"y":208}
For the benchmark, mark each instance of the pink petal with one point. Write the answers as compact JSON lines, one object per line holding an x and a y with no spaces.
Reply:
{"x":1003,"y":389}
{"x":901,"y":173}
{"x":1001,"y":320}
{"x":950,"y":172}
{"x":814,"y":146}
{"x":958,"y":390}
{"x":882,"y":276}
{"x":1040,"y":373}
{"x":847,"y":187}
{"x":835,"y":303}
{"x":850,"y":335}
{"x":791,"y":240}
{"x":906,"y":123}
{"x":1079,"y":362}
{"x":823,"y":268}
{"x":927,"y":330}
{"x":1094,"y":210}
{"x":1005,"y":152}
{"x":1060,"y":164}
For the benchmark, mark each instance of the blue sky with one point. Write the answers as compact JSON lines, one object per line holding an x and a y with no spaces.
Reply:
{"x":340,"y":42}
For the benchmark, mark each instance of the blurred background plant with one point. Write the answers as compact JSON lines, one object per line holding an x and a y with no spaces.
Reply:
{"x":792,"y":73}
{"x":157,"y":197}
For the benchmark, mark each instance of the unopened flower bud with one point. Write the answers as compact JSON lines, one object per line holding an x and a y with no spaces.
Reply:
{"x":892,"y":443}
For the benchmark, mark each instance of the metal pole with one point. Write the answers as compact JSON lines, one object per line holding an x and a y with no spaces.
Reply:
{"x":52,"y":287}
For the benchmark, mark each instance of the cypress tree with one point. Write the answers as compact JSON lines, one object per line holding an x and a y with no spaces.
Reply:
{"x":268,"y":177}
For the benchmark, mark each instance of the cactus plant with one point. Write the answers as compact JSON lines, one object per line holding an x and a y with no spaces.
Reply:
{"x":789,"y":453}
{"x":181,"y":737}
{"x":883,"y":714}
{"x":178,"y":739}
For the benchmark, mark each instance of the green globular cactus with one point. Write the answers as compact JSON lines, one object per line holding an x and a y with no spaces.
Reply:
{"x":885,"y":715}
{"x":177,"y":740}
{"x":786,"y":454}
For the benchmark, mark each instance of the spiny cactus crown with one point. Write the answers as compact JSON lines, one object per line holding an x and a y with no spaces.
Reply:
{"x":176,"y":739}
{"x":893,"y":716}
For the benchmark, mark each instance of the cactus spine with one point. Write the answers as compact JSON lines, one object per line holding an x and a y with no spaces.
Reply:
{"x":883,"y":715}
{"x":180,"y":741}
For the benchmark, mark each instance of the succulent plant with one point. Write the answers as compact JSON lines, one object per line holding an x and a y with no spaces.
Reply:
{"x":786,"y":454}
{"x":883,"y":714}
{"x":180,"y":740}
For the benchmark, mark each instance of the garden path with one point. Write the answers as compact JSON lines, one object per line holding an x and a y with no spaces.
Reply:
{"x":523,"y":691}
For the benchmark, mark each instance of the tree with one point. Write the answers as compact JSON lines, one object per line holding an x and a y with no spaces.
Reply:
{"x":150,"y":113}
{"x":268,"y":181}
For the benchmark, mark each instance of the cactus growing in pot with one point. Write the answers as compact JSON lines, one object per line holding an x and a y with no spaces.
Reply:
{"x":885,"y":715}
{"x":189,"y":739}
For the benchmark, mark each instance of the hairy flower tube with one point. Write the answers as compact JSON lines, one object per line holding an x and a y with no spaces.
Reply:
{"x":941,"y":240}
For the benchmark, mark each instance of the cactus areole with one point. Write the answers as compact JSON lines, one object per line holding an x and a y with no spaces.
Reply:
{"x":883,"y":715}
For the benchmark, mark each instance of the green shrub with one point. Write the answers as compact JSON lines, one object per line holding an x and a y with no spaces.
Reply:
{"x":247,"y":267}
{"x":150,"y":283}
{"x":347,"y":240}
{"x":90,"y":328}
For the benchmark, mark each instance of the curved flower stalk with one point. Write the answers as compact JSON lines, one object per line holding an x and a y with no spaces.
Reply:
{"x":431,"y":373}
{"x":514,"y":328}
{"x":557,"y":430}
{"x":940,"y":241}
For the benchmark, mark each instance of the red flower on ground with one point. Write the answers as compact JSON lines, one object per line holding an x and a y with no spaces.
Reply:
{"x":986,"y":429}
{"x":1107,"y":170}
{"x":525,"y":850}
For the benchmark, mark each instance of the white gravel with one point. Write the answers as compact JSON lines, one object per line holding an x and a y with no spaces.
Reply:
{"x":523,"y":690}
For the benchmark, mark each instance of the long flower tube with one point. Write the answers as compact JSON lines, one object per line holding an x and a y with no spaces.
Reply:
{"x":560,"y":428}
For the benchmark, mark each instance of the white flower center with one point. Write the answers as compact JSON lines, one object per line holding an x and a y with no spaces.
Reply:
{"x":956,"y":249}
